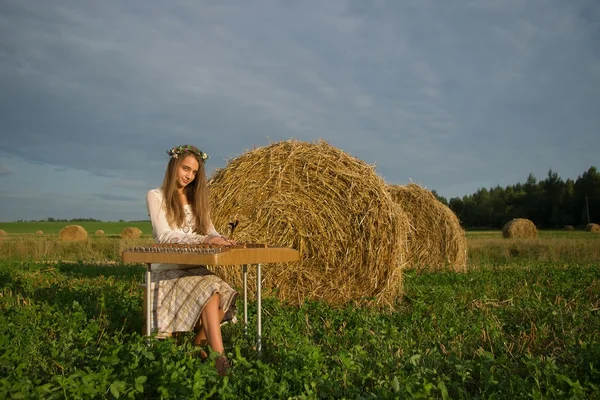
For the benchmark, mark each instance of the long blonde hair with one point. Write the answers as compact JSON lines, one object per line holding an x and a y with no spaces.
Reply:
{"x":196,"y":192}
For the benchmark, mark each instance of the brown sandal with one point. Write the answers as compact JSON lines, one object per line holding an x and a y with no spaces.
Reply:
{"x":222,"y":365}
{"x":199,"y":351}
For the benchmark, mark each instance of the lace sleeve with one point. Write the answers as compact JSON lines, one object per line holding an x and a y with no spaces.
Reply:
{"x":163,"y":233}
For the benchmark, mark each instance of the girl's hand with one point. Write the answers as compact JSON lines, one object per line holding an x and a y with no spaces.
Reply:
{"x":219,"y":241}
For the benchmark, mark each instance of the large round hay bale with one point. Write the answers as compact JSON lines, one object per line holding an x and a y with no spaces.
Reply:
{"x":568,"y":228}
{"x":519,"y":228}
{"x":3,"y":232}
{"x":39,"y":232}
{"x":330,"y":206}
{"x":436,"y":239}
{"x":73,"y":233}
{"x":592,"y":228}
{"x":99,"y":232}
{"x":131,"y":233}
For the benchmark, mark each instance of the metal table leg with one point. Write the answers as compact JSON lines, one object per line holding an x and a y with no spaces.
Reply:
{"x":258,"y":311}
{"x":148,"y":300}
{"x":245,"y":269}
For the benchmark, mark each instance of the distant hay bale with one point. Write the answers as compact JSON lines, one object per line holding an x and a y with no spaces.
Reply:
{"x":436,"y":239}
{"x":332,"y":207}
{"x":72,"y":233}
{"x":99,"y":232}
{"x":568,"y":228}
{"x":519,"y":228}
{"x":39,"y":232}
{"x":131,"y":233}
{"x":592,"y":228}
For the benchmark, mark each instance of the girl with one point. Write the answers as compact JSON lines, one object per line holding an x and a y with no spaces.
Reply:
{"x":187,"y":299}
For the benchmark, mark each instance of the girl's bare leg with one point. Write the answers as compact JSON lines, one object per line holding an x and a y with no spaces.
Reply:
{"x":211,"y":318}
{"x":211,"y":324}
{"x":201,"y":338}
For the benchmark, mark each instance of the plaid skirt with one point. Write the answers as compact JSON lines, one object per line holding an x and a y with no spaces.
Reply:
{"x":180,"y":295}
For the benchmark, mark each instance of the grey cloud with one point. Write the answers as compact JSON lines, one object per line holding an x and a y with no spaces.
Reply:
{"x":433,"y":90}
{"x":112,"y":197}
{"x":130,"y":184}
{"x":29,"y":207}
{"x":4,"y":170}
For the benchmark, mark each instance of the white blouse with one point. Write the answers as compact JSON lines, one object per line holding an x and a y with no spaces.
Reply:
{"x":163,"y":232}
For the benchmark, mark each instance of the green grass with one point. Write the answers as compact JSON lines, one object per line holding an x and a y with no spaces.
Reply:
{"x":524,"y":322}
{"x":109,"y":228}
{"x":517,"y":329}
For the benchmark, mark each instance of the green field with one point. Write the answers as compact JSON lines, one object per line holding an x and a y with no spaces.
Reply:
{"x":524,"y":322}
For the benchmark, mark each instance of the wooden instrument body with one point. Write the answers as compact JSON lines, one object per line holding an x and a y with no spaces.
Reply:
{"x":204,"y":255}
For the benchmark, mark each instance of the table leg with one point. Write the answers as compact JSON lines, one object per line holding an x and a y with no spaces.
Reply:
{"x":245,"y":269}
{"x":148,"y":301}
{"x":258,"y":311}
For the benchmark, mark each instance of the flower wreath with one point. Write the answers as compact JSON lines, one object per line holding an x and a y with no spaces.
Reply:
{"x":176,"y":151}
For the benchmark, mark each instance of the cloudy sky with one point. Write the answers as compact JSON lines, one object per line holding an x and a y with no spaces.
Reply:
{"x":454,"y":95}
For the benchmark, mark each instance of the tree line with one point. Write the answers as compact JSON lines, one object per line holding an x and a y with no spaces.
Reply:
{"x":50,"y":219}
{"x":550,"y":203}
